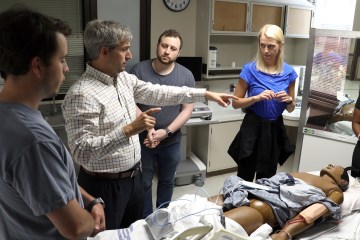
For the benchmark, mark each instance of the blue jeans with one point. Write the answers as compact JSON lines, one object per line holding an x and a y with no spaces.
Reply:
{"x":164,"y":161}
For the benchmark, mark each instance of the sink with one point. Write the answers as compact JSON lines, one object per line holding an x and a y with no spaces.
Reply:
{"x":52,"y":113}
{"x":55,"y":121}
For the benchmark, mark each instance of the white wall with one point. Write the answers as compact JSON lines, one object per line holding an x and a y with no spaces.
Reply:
{"x":126,"y":12}
{"x":356,"y":25}
{"x":184,"y":22}
{"x":243,"y":48}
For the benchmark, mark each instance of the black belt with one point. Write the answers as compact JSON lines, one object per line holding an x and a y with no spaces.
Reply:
{"x":129,"y":173}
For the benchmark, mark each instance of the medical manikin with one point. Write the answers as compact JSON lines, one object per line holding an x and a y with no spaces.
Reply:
{"x":333,"y":180}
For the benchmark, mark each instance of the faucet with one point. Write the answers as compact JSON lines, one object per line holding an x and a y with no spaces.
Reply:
{"x":54,"y":111}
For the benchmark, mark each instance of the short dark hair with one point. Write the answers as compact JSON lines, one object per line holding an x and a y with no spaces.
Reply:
{"x":171,"y":33}
{"x":24,"y":34}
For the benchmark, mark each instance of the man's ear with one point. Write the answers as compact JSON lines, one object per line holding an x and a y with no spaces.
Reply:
{"x":36,"y":66}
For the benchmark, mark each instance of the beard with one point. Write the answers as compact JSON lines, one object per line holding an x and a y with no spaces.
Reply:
{"x":51,"y":84}
{"x":168,"y":62}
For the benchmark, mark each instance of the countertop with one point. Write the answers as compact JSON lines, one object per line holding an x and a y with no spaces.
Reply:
{"x":229,"y":114}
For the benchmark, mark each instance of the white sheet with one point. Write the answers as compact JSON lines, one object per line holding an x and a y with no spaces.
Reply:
{"x":348,"y":228}
{"x":342,"y":127}
{"x":186,"y":212}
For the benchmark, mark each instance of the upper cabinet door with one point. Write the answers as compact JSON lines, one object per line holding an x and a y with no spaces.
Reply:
{"x":262,"y":14}
{"x":229,"y":17}
{"x":298,"y":22}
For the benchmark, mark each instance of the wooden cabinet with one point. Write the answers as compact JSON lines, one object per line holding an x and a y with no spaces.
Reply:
{"x":232,"y":25}
{"x":211,"y":142}
{"x":244,"y":17}
{"x":247,"y":17}
{"x":262,"y":14}
{"x":209,"y":33}
{"x":229,"y":17}
{"x":298,"y":21}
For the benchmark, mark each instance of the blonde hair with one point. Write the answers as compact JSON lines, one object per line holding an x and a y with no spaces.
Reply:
{"x":274,"y":32}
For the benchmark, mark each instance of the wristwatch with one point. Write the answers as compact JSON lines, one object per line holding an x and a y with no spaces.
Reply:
{"x":94,"y":202}
{"x":168,"y":132}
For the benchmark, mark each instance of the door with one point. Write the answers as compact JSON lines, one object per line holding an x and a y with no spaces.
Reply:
{"x":221,"y":136}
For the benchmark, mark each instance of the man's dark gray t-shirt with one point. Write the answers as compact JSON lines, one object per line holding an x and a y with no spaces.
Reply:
{"x":180,"y":76}
{"x":37,"y":174}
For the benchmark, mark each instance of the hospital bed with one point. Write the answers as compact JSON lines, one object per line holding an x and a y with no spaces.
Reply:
{"x":348,"y":227}
{"x":201,"y":224}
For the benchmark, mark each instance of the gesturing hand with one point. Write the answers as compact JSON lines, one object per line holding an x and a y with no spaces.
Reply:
{"x":142,"y":122}
{"x":223,"y":99}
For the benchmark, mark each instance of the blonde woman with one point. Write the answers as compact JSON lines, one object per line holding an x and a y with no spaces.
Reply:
{"x":265,"y":88}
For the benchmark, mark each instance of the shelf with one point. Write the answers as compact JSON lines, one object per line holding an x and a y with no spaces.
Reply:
{"x":221,"y":76}
{"x":223,"y":72}
{"x":225,"y":68}
{"x":235,"y":34}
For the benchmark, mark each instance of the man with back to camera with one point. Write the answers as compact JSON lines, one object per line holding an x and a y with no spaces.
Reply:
{"x":40,"y":197}
{"x":102,"y":124}
{"x":164,"y":157}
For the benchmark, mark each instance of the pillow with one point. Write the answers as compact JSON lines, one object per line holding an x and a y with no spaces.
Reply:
{"x":351,"y":196}
{"x":344,"y":127}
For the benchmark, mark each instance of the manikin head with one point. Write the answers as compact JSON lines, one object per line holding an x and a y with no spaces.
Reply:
{"x":338,"y":174}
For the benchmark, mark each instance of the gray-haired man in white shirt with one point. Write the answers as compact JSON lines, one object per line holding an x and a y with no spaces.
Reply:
{"x":102,"y":126}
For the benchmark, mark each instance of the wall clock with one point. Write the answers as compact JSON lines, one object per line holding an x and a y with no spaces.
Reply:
{"x":176,"y":5}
